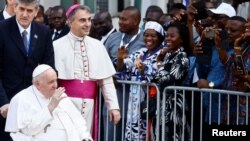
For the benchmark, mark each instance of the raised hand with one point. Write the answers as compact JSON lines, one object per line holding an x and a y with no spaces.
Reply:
{"x":56,"y":98}
{"x":138,"y":64}
{"x":122,"y":53}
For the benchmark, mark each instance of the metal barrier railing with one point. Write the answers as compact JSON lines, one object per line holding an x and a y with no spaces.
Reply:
{"x":221,"y":97}
{"x":125,"y":92}
{"x":182,"y":102}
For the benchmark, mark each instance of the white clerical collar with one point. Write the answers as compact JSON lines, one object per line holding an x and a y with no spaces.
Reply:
{"x":74,"y":37}
{"x":105,"y":37}
{"x":6,"y":15}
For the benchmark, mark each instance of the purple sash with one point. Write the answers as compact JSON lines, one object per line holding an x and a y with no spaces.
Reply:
{"x":74,"y":88}
{"x":86,"y":89}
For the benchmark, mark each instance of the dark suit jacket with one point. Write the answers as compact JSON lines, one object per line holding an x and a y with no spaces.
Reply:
{"x":1,"y":16}
{"x":15,"y":66}
{"x":64,"y":32}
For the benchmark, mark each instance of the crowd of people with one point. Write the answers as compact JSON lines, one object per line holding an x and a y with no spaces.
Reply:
{"x":53,"y":62}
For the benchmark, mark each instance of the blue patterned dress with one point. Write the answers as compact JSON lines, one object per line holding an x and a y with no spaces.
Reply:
{"x":136,"y":127}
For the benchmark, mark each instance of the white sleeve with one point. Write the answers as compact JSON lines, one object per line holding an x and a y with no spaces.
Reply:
{"x":109,"y":93}
{"x":26,"y":117}
{"x":77,"y":119}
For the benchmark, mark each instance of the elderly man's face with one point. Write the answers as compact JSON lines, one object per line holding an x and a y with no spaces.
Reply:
{"x":81,"y":23}
{"x":25,"y":13}
{"x":47,"y":83}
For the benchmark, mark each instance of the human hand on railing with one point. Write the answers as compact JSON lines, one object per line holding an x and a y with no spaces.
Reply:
{"x":203,"y":83}
{"x":122,"y":52}
{"x":56,"y":98}
{"x":115,"y":115}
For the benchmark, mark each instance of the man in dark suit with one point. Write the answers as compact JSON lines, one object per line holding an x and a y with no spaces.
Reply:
{"x":1,"y":15}
{"x":24,"y":45}
{"x":58,"y":23}
{"x":8,"y":10}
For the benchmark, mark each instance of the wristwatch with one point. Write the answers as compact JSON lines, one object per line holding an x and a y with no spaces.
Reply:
{"x":211,"y":84}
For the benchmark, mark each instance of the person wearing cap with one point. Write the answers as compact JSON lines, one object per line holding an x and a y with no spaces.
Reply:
{"x":140,"y":66}
{"x":43,"y":112}
{"x":83,"y":64}
{"x":23,"y":45}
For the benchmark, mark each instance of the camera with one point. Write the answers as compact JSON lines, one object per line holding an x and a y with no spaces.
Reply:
{"x":211,"y":32}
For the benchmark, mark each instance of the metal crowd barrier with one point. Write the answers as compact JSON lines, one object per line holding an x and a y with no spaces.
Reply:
{"x":186,"y":103}
{"x":125,"y":92}
{"x":218,"y":102}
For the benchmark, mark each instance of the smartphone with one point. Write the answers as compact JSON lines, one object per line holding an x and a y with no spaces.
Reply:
{"x":240,"y":64}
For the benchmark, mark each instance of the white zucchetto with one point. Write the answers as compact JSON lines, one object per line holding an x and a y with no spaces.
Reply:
{"x":40,"y":69}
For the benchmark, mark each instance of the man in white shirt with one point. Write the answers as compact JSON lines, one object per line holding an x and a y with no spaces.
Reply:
{"x":43,"y":112}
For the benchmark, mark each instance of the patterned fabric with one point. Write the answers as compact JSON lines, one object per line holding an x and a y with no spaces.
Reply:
{"x":176,"y":65}
{"x":228,"y":86}
{"x":174,"y":119}
{"x":136,"y":128}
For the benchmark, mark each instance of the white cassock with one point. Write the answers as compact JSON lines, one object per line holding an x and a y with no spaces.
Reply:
{"x":29,"y":119}
{"x":69,"y":64}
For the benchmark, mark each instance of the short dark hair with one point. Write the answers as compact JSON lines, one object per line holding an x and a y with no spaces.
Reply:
{"x":184,"y":34}
{"x":106,"y":15}
{"x":132,"y":8}
{"x":28,"y":2}
{"x":73,"y":12}
{"x":177,"y":6}
{"x":154,"y":8}
{"x":238,"y":18}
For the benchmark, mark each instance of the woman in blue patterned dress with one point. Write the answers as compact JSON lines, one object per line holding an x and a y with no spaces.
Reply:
{"x":140,"y":66}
